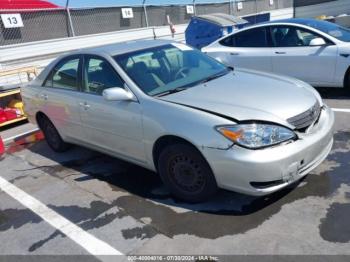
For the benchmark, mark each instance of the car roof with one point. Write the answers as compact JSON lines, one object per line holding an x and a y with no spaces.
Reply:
{"x":124,"y":47}
{"x":300,"y":21}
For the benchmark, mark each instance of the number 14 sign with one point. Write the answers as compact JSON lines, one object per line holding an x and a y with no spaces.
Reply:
{"x":12,"y":20}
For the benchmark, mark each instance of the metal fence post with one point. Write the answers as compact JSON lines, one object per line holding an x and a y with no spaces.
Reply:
{"x":70,"y":22}
{"x":145,"y":11}
{"x":194,"y":7}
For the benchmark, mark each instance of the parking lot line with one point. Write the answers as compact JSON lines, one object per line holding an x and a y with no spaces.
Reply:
{"x":90,"y":243}
{"x":345,"y":110}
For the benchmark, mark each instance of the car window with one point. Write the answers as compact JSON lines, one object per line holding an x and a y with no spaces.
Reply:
{"x":290,"y":36}
{"x":332,"y":29}
{"x":99,"y":75}
{"x":169,"y":67}
{"x":65,"y":75}
{"x":255,"y":37}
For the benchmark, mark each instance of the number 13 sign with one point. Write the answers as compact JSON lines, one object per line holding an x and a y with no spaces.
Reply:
{"x":12,"y":20}
{"x":127,"y":13}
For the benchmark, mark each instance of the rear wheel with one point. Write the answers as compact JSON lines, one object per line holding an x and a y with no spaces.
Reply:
{"x":52,"y":136}
{"x":347,"y":81}
{"x":186,"y":173}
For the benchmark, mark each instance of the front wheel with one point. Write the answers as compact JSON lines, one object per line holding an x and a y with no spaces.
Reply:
{"x":52,"y":136}
{"x":186,"y":173}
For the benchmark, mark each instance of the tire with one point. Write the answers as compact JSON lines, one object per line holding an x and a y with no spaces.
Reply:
{"x":52,"y":137}
{"x":347,"y":82}
{"x":186,"y":173}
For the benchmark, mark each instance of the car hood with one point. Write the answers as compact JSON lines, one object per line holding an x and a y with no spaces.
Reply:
{"x":250,"y":95}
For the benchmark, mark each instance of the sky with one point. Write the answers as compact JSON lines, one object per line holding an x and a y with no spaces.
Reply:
{"x":92,"y":3}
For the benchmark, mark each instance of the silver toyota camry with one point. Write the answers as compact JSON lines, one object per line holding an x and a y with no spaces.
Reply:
{"x":174,"y":110}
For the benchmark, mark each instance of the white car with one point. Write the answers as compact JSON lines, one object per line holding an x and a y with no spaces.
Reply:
{"x":317,"y":52}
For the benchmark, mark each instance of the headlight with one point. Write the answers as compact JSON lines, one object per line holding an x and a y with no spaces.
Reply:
{"x":256,"y":135}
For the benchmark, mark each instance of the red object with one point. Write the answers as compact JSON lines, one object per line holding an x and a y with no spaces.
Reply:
{"x":10,"y":114}
{"x":3,"y":117}
{"x":2,"y":147}
{"x":26,"y":4}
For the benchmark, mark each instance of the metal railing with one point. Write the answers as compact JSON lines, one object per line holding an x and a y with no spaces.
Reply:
{"x":46,"y":24}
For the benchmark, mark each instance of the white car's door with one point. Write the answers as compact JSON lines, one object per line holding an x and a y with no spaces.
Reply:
{"x":247,"y":49}
{"x":114,"y":126}
{"x":293,"y":56}
{"x":58,"y":97}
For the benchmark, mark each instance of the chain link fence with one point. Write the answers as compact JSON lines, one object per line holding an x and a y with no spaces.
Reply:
{"x":49,"y":24}
{"x":37,"y":25}
{"x":102,"y":20}
{"x":158,"y":15}
{"x":202,"y":9}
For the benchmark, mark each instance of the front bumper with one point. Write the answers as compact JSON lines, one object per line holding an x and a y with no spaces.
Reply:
{"x":237,"y":168}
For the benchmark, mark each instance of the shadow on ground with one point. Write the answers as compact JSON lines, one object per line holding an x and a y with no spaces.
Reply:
{"x":333,"y":93}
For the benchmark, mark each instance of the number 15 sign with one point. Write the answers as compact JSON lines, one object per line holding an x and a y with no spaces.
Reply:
{"x":12,"y":20}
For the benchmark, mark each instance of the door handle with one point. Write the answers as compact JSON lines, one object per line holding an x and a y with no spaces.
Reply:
{"x":44,"y":96}
{"x":234,"y":53}
{"x":280,"y":53}
{"x":85,"y":105}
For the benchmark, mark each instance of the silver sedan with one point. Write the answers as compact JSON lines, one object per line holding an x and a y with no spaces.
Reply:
{"x":174,"y":110}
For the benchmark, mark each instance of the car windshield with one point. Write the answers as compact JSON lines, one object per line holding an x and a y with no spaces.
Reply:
{"x":169,"y":68}
{"x":339,"y":32}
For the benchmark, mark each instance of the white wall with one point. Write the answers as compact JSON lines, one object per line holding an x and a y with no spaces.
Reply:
{"x":282,"y":13}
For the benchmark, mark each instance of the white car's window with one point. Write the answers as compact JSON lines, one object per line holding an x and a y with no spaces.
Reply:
{"x":290,"y":36}
{"x":337,"y":31}
{"x":255,"y":37}
{"x":169,"y":68}
{"x":99,"y":75}
{"x":65,"y":75}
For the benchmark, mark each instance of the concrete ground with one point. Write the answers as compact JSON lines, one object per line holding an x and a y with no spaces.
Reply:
{"x":127,"y":208}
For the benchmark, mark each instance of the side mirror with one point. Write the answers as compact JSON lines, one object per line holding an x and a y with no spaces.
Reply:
{"x":117,"y":94}
{"x":317,"y":42}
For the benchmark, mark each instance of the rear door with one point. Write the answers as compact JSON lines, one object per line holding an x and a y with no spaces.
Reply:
{"x":58,"y":98}
{"x":114,"y":126}
{"x":249,"y":49}
{"x":293,"y":56}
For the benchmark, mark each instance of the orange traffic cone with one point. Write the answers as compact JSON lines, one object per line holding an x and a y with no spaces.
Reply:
{"x":2,"y":147}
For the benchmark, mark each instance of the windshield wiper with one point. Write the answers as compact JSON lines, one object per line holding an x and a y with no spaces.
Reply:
{"x":210,"y":78}
{"x":179,"y":89}
{"x":172,"y":91}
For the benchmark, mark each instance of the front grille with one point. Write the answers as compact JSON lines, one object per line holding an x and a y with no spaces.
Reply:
{"x":305,"y":119}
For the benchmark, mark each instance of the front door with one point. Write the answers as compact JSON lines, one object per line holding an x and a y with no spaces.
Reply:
{"x":293,"y":56}
{"x":114,"y":126}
